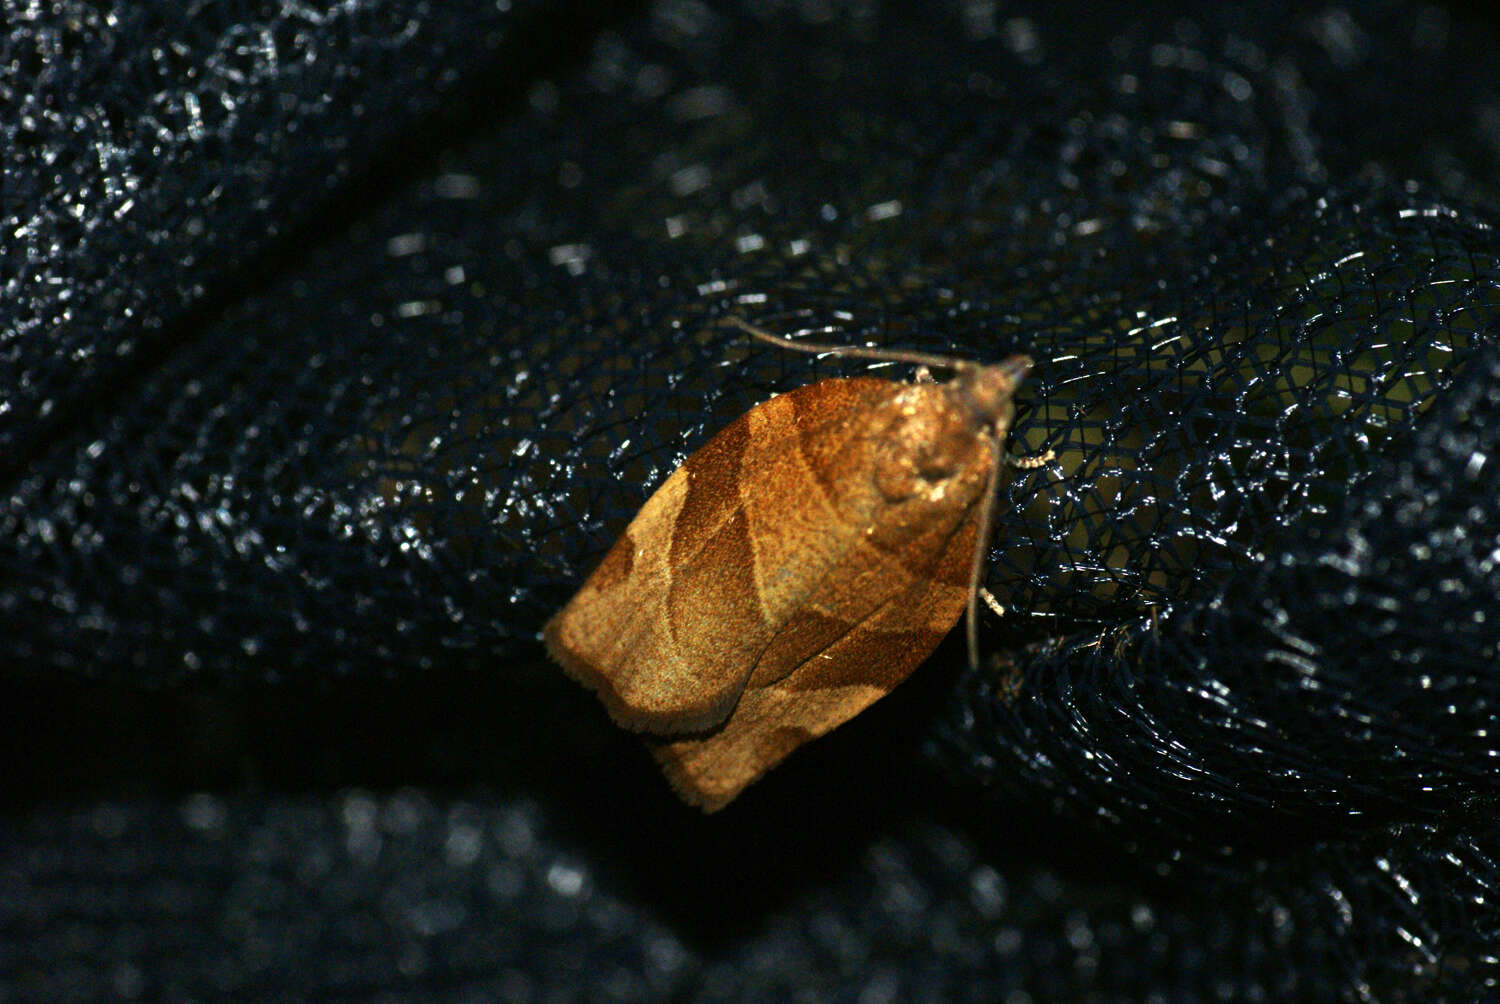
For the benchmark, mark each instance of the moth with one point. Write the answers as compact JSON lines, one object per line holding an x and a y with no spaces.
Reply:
{"x":796,"y":568}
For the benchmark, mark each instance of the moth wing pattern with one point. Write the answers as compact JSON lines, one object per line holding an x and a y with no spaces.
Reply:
{"x":669,"y":627}
{"x":862,"y":664}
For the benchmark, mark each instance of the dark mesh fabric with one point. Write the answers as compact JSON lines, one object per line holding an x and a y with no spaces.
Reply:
{"x":337,"y":343}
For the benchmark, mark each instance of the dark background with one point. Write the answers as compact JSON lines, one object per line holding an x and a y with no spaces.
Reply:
{"x":337,"y":342}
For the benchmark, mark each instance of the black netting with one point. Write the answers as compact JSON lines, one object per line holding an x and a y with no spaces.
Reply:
{"x":338,"y":342}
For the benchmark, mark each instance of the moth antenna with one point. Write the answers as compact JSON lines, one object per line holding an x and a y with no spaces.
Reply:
{"x":853,"y":351}
{"x":981,"y":548}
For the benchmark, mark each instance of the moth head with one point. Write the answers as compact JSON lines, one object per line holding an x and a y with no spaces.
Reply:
{"x":988,"y":392}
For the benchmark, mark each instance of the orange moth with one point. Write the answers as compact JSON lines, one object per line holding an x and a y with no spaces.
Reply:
{"x":796,"y":568}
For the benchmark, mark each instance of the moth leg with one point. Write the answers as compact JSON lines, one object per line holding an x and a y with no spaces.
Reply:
{"x":1153,"y":616}
{"x":1031,"y":461}
{"x":991,"y":602}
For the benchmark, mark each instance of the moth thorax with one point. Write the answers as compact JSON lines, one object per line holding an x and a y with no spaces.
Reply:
{"x":931,"y":442}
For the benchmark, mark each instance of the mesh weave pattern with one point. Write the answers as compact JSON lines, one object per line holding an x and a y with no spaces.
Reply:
{"x":339,"y":342}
